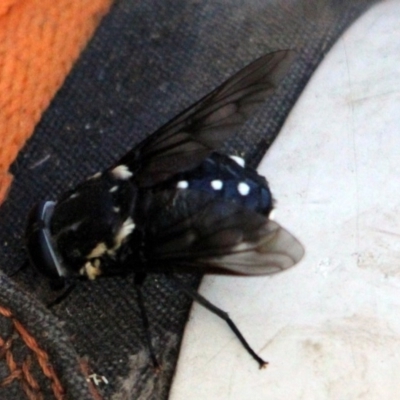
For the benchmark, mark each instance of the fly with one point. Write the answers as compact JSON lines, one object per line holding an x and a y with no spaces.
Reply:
{"x":174,"y":203}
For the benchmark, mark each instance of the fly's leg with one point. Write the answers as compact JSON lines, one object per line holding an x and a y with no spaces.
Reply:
{"x":220,"y":313}
{"x":139,"y":278}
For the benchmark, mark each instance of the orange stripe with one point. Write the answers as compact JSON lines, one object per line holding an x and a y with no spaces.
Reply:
{"x":39,"y":42}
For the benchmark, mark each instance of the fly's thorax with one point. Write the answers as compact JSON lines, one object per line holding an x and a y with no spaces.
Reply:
{"x":228,"y":178}
{"x":90,"y":224}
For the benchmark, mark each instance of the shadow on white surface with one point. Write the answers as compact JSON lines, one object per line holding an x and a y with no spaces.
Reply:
{"x":329,"y":327}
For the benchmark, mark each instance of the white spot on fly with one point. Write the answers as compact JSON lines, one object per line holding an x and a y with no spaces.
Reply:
{"x":238,"y":160}
{"x":95,"y":176}
{"x":74,"y":226}
{"x":216,"y":184}
{"x":121,"y":172}
{"x":73,"y":196}
{"x":243,"y":188}
{"x":182,"y":185}
{"x":116,"y":209}
{"x":113,"y":189}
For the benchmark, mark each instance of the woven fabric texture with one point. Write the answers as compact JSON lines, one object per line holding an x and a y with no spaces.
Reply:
{"x":39,"y":42}
{"x":146,"y":62}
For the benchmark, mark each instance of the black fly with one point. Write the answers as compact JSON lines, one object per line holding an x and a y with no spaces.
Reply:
{"x":173,"y":203}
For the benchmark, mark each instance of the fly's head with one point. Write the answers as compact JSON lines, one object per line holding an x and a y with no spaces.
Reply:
{"x":84,"y":232}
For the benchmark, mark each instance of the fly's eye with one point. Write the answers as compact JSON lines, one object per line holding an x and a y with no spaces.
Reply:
{"x":39,"y":244}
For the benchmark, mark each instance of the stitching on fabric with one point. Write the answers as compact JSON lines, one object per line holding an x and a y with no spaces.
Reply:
{"x":23,"y":372}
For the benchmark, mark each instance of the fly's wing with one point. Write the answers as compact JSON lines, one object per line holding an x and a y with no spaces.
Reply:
{"x":217,"y":236}
{"x":185,"y":141}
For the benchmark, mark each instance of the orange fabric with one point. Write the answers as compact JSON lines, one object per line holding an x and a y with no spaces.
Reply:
{"x":39,"y":42}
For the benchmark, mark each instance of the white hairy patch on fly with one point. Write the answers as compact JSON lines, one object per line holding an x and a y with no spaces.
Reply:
{"x":126,"y":229}
{"x":98,"y":251}
{"x":243,"y":188}
{"x":74,"y":196}
{"x":217,"y":184}
{"x":92,"y":270}
{"x":113,"y":189}
{"x":238,"y":160}
{"x":272,"y":215}
{"x":74,"y":226}
{"x":182,"y":185}
{"x":95,"y":176}
{"x":241,"y":247}
{"x":116,"y":209}
{"x":121,"y":172}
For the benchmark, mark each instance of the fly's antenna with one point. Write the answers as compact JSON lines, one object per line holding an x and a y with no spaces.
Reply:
{"x":68,"y":288}
{"x":17,"y":270}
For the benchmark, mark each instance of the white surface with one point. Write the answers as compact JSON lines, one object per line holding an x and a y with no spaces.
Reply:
{"x":329,"y":327}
